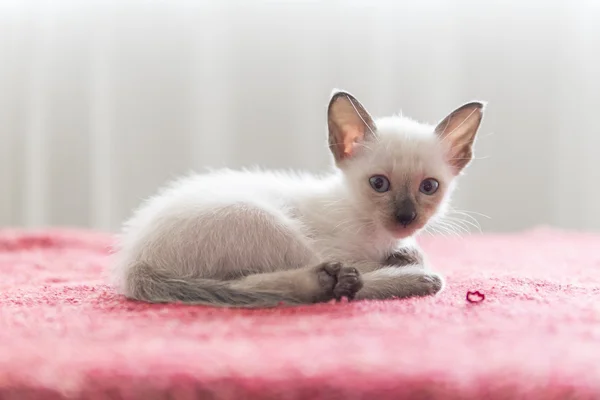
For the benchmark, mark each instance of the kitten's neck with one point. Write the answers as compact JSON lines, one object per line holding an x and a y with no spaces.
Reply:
{"x":328,"y":209}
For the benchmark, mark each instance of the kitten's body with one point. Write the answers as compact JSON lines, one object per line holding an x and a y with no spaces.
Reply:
{"x":254,"y":238}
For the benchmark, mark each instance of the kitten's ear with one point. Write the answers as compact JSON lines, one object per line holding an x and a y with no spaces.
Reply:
{"x":458,"y":131}
{"x":349,"y":123}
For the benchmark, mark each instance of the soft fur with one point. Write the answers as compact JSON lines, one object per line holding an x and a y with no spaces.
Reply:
{"x":257,"y":238}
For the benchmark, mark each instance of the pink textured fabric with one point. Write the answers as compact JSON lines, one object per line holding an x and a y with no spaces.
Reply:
{"x":536,"y":335}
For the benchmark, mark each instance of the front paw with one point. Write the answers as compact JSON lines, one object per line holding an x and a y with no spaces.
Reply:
{"x":340,"y":280}
{"x":405,"y":256}
{"x":349,"y":282}
{"x":429,"y":284}
{"x":432,"y":282}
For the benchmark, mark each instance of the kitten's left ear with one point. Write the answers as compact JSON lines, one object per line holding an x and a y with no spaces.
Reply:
{"x":349,"y":123}
{"x":458,"y":131}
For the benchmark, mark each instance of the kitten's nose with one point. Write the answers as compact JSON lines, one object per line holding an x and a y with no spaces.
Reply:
{"x":406,"y":218}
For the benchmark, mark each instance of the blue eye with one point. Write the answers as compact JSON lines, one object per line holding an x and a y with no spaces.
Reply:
{"x":429,"y":186}
{"x":379,"y":183}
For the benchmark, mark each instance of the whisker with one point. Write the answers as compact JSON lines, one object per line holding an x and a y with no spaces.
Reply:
{"x":448,"y":227}
{"x":465,"y":222}
{"x":473,"y":158}
{"x":462,"y":214}
{"x":473,"y":222}
{"x":470,"y":212}
{"x":436,"y":231}
{"x":486,"y":135}
{"x":440,"y":233}
{"x":457,"y":224}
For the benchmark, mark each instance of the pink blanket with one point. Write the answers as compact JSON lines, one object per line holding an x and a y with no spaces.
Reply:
{"x":536,"y":335}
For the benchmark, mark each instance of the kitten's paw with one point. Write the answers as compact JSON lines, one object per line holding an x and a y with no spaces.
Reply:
{"x":405,"y":256}
{"x":349,"y":282}
{"x":429,"y":284}
{"x":339,"y":280}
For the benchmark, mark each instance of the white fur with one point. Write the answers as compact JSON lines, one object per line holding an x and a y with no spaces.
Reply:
{"x":321,"y":210}
{"x":225,"y":224}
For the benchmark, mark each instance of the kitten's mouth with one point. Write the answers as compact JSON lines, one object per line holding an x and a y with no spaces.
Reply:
{"x":401,"y":232}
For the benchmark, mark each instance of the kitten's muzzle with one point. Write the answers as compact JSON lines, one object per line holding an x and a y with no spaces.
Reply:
{"x":406,"y":213}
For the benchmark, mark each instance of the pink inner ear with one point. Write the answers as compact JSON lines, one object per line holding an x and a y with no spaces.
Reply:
{"x":352,"y":136}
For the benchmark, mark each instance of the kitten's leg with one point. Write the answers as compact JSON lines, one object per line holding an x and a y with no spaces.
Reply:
{"x":306,"y":285}
{"x":292,"y":286}
{"x":409,"y":256}
{"x":405,"y":256}
{"x":410,"y":281}
{"x":403,"y":274}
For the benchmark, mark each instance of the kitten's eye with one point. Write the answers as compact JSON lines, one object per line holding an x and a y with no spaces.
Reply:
{"x":429,"y":186}
{"x":379,"y":183}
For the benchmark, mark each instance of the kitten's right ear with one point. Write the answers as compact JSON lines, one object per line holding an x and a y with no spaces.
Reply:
{"x":349,"y":124}
{"x":458,"y":131}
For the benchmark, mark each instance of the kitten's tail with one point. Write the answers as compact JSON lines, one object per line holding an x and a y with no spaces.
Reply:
{"x":147,"y":284}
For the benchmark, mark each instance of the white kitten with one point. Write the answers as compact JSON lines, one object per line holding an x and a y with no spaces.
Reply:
{"x":255,"y":239}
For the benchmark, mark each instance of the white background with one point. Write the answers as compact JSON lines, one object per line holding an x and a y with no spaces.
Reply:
{"x":102,"y":101}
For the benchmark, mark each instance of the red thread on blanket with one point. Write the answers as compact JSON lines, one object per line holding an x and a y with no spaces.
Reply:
{"x":475,"y":297}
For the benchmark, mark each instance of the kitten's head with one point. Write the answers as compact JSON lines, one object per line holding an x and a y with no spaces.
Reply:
{"x":399,"y":171}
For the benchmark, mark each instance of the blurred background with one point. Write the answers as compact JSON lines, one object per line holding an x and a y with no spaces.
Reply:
{"x":101,"y":102}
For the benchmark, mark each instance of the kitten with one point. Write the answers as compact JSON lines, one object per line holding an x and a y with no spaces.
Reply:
{"x":257,"y":239}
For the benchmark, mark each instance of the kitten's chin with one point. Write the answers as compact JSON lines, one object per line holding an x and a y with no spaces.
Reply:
{"x":400,"y":232}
